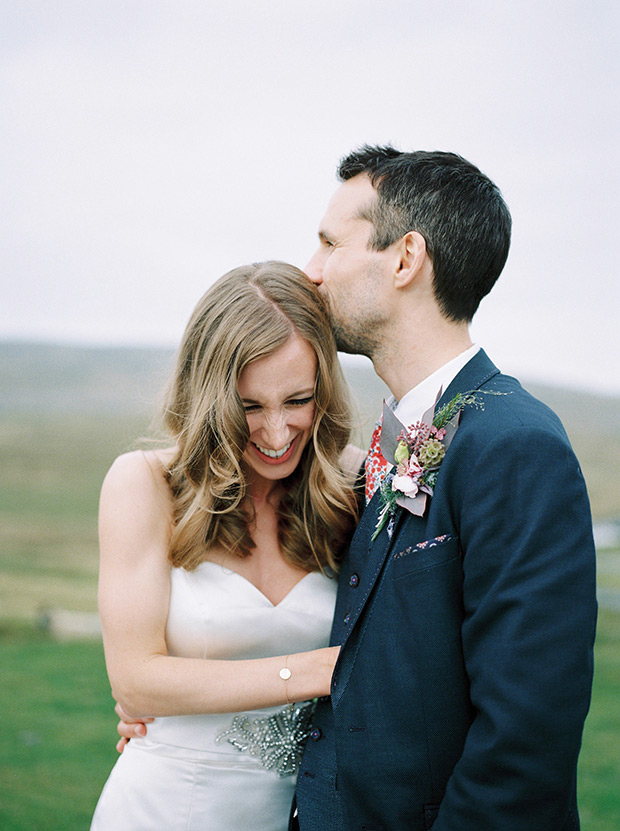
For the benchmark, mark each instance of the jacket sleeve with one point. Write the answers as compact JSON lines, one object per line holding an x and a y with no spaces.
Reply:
{"x":528,"y":633}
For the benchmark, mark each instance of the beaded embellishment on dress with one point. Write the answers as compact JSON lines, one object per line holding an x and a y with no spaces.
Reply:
{"x":277,"y":741}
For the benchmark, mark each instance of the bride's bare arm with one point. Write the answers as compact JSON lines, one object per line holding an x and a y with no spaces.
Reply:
{"x":134,"y":587}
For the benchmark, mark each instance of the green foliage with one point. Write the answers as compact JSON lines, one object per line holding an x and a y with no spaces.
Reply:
{"x":463,"y":399}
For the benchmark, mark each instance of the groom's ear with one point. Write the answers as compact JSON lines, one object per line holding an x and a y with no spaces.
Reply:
{"x":412,"y":259}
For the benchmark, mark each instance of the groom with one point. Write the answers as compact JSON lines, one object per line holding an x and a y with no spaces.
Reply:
{"x":467,"y":622}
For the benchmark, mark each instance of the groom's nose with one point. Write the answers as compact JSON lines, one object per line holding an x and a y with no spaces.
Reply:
{"x":314,"y":268}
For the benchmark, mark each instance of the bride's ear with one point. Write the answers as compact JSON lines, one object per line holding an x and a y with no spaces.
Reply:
{"x":412,"y":259}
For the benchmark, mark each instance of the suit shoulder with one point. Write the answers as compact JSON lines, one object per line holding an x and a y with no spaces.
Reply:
{"x":505,"y":405}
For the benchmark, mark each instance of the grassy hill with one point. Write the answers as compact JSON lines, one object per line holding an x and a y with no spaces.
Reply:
{"x":52,"y":379}
{"x":47,"y":384}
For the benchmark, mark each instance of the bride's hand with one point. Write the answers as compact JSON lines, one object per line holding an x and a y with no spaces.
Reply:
{"x":128,"y":727}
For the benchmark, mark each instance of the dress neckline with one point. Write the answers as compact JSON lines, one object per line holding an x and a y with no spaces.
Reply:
{"x":230,"y":572}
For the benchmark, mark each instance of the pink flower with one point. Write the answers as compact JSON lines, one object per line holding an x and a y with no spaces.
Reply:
{"x":413,"y":466}
{"x":405,"y":484}
{"x":406,"y":477}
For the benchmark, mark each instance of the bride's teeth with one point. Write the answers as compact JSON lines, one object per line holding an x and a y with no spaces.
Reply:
{"x":274,"y":454}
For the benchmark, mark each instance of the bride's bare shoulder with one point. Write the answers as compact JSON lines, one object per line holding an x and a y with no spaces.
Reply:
{"x":141,"y":469}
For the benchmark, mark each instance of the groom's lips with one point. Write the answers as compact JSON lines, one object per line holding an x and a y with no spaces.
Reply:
{"x":269,"y":460}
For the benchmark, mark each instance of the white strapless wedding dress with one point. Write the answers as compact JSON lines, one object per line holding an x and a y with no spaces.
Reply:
{"x":229,"y":772}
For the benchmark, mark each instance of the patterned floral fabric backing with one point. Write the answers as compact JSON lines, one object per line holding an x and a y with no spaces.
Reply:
{"x":375,"y":465}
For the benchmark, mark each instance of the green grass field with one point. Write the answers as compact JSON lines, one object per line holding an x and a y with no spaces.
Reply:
{"x":57,"y":724}
{"x":57,"y":738}
{"x":51,"y":469}
{"x":57,"y":732}
{"x":599,"y":771}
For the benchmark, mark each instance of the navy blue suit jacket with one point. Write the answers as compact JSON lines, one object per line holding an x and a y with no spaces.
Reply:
{"x":464,"y":679}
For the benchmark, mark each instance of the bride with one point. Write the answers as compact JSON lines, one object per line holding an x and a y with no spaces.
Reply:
{"x":218,"y":555}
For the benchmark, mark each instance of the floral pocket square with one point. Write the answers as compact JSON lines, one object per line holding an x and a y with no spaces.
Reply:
{"x":424,"y":546}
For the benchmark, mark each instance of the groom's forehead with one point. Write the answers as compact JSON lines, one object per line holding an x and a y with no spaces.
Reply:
{"x":349,"y":203}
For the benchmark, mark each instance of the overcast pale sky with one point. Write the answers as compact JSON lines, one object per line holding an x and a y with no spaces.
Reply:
{"x":148,"y":146}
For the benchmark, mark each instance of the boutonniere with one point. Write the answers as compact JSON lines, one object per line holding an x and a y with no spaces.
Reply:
{"x":416,"y":452}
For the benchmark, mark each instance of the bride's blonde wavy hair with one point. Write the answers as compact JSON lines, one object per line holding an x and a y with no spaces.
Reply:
{"x":249,"y":313}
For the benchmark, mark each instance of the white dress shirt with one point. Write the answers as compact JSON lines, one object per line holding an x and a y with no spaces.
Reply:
{"x":421,"y":398}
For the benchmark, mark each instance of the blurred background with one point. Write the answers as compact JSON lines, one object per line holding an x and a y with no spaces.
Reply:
{"x":148,"y":146}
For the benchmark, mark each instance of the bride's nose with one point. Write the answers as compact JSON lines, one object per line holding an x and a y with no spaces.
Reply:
{"x":276,"y":430}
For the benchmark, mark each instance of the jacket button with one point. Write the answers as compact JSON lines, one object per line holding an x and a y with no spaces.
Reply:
{"x":316,"y":734}
{"x":354,"y":580}
{"x":346,"y":619}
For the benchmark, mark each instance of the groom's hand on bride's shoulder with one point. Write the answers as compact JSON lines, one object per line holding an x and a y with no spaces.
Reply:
{"x":128,"y":727}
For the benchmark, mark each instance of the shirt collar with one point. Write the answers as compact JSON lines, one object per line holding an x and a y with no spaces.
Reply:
{"x":421,"y":398}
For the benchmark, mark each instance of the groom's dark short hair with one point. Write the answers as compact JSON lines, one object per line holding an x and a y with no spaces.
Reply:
{"x":458,"y":210}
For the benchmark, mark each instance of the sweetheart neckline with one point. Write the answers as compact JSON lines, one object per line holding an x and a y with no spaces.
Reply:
{"x":229,"y":572}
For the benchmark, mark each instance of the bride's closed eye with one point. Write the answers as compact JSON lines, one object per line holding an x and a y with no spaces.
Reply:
{"x":292,"y":402}
{"x":299,"y":402}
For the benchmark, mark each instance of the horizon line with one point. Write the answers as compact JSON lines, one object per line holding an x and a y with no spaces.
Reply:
{"x":79,"y":344}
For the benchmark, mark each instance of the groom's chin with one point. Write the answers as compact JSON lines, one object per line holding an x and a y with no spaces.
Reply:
{"x":348,"y":344}
{"x":349,"y":348}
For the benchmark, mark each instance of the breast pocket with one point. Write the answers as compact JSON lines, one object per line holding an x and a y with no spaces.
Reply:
{"x":424,"y":556}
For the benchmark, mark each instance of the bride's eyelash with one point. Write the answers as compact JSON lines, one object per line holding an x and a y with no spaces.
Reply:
{"x":299,"y":402}
{"x":294,"y":402}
